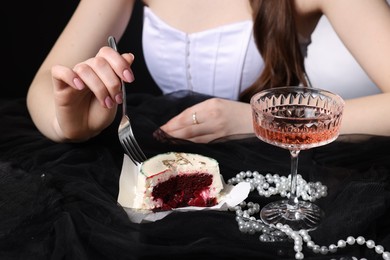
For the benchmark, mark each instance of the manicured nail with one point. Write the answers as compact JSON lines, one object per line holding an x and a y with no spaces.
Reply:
{"x":108,"y":101}
{"x":128,"y":76}
{"x":119,"y":98}
{"x":78,"y":83}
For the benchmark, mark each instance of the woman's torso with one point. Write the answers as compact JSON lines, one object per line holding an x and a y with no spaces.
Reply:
{"x":223,"y":60}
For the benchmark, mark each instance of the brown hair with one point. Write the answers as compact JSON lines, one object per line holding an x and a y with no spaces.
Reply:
{"x":276,"y":38}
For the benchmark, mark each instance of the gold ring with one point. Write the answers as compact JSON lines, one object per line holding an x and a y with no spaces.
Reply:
{"x":194,"y":120}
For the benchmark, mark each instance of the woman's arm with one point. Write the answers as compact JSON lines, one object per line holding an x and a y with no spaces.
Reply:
{"x":364,"y":28}
{"x":74,"y":94}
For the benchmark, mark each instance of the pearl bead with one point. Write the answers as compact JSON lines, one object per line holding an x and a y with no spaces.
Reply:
{"x":306,"y":238}
{"x":299,"y":255}
{"x":263,"y":238}
{"x":303,"y":232}
{"x":324,"y":250}
{"x":379,"y":249}
{"x":297,"y":248}
{"x":279,"y":233}
{"x":310,"y":244}
{"x":265,"y":230}
{"x":386,"y":255}
{"x":332,"y":248}
{"x":350,"y":240}
{"x":341,"y":243}
{"x":370,"y":244}
{"x":295,"y":236}
{"x":360,"y":240}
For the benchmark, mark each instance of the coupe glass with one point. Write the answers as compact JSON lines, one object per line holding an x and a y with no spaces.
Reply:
{"x":295,"y":118}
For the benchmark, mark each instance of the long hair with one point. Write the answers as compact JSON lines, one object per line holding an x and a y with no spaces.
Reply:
{"x":276,"y":37}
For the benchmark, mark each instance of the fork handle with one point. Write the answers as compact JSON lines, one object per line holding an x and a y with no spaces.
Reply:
{"x":112,"y":43}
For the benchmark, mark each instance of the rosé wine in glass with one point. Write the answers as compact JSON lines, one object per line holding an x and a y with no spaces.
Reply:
{"x":295,"y":118}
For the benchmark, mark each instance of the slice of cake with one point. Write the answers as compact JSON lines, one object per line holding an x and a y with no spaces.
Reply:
{"x":174,"y":180}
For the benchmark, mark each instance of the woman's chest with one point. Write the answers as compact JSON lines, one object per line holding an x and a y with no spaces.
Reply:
{"x":192,"y":16}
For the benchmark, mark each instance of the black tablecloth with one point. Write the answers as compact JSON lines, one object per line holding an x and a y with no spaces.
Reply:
{"x":59,"y":201}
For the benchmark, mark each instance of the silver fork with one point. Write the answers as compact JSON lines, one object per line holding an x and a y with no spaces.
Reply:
{"x":125,"y":131}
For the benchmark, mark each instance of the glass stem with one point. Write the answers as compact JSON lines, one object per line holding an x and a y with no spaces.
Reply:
{"x":293,"y":200}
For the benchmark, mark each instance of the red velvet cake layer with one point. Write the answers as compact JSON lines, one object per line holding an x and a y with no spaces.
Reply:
{"x":184,"y":190}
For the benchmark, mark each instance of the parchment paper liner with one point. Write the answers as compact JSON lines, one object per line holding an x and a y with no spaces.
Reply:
{"x":231,"y":195}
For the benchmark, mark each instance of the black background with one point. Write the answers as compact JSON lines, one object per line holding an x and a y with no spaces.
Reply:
{"x":31,"y":28}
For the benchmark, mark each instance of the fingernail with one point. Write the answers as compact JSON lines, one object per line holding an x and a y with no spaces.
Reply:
{"x":128,"y":75}
{"x":119,"y":98}
{"x":78,"y":83}
{"x":108,"y":101}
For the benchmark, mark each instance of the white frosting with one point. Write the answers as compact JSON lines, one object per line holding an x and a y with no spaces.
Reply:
{"x":162,"y":167}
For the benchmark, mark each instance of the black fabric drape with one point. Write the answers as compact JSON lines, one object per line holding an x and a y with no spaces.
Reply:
{"x":58,"y":201}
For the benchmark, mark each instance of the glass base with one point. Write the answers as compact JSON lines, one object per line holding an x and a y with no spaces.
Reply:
{"x":305,"y":215}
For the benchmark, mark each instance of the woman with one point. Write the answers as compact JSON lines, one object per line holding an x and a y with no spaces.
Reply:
{"x":75,"y":93}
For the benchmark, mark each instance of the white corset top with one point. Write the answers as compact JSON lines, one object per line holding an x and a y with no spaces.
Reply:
{"x":221,"y":62}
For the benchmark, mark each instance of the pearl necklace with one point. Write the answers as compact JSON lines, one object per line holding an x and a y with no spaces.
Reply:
{"x":269,"y":185}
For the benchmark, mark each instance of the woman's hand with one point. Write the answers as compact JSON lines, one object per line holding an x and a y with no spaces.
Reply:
{"x":86,"y":97}
{"x":211,"y":119}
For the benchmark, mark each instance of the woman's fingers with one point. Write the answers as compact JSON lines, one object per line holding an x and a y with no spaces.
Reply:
{"x":119,"y":63}
{"x":102,"y":75}
{"x":195,"y":133}
{"x":209,"y":120}
{"x":196,"y":124}
{"x":66,"y":84}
